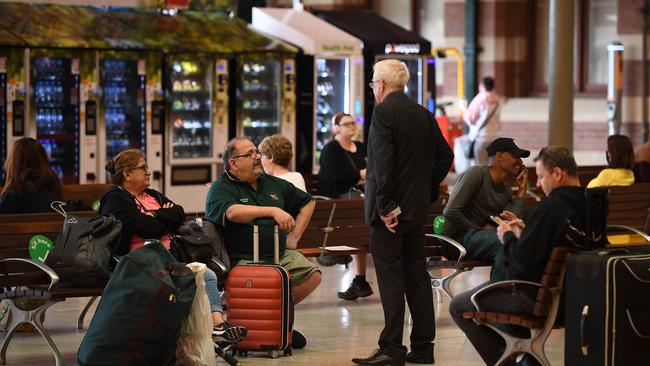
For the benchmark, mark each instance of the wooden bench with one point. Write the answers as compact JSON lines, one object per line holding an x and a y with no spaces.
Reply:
{"x":630,"y":206}
{"x":540,"y":322}
{"x":16,"y":269}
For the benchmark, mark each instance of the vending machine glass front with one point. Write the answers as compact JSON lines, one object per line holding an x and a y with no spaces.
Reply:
{"x":191,"y":108}
{"x":332,"y":96}
{"x":56,"y":93}
{"x":259,"y":86}
{"x":124,"y":112}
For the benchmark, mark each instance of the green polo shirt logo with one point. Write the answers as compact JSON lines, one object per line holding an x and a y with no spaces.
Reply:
{"x":274,"y":196}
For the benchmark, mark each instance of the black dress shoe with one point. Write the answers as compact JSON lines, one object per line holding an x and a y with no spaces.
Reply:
{"x":414,"y":357}
{"x":377,"y":358}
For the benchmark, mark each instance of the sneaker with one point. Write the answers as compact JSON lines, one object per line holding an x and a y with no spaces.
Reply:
{"x":356,"y":290}
{"x":226,"y":332}
{"x":298,"y":340}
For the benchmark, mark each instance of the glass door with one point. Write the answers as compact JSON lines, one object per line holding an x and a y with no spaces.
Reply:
{"x":258,"y":102}
{"x":56,"y":93}
{"x":124,"y":111}
{"x":332,"y":96}
{"x":191,"y":107}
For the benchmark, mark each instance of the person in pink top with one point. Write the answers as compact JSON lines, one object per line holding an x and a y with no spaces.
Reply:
{"x":147,"y":214}
{"x":484,"y":123}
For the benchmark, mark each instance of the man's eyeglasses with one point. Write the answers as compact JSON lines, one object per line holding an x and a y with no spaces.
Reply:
{"x":372,"y":83}
{"x":250,"y":154}
{"x":142,"y":167}
{"x":347,"y":124}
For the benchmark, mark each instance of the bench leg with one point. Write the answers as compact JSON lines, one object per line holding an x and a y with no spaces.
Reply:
{"x":34,"y":317}
{"x":441,"y":285}
{"x":515,"y":345}
{"x":80,"y":321}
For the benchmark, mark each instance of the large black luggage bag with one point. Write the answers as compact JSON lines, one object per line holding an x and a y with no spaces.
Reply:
{"x":141,"y":311}
{"x":607,"y":308}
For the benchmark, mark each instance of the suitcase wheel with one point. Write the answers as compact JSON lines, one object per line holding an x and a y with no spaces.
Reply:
{"x":273,"y":353}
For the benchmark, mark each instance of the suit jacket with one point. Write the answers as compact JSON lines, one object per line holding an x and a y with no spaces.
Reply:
{"x":407,"y":159}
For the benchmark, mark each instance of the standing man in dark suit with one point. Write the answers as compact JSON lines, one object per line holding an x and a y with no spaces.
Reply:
{"x":407,"y":159}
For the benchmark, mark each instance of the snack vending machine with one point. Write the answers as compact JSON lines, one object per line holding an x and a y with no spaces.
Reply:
{"x":266,"y":97}
{"x":198,"y":87}
{"x":63,"y":92}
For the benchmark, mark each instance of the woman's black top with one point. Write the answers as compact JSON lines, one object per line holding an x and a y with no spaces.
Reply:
{"x":339,"y":168}
{"x":28,"y":199}
{"x":121,"y":204}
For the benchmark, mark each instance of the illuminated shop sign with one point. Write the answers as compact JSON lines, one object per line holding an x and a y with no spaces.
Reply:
{"x":405,"y":48}
{"x":337,"y":48}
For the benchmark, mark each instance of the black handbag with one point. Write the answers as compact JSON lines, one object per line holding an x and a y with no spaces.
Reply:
{"x":191,"y":248}
{"x":469,"y":149}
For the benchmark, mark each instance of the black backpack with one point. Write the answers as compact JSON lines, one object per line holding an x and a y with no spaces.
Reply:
{"x":84,"y":249}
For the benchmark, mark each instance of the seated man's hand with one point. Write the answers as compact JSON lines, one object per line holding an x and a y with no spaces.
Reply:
{"x":284,"y":220}
{"x":508,"y":215}
{"x":516,"y":226}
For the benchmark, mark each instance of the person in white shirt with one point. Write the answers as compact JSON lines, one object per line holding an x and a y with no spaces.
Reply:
{"x":277,"y":153}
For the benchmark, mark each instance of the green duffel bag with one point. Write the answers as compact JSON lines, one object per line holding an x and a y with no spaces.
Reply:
{"x":141,"y":311}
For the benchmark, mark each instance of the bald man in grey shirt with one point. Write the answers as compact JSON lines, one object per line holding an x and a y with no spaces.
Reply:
{"x":481,"y":192}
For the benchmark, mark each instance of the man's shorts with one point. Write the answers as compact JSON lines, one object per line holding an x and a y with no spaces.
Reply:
{"x":296,"y":264}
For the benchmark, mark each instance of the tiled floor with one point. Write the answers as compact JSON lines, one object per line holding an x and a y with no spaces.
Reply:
{"x":336,"y":330}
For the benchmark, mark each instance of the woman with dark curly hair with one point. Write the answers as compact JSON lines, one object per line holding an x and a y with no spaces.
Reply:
{"x":620,"y":159}
{"x":30,"y":184}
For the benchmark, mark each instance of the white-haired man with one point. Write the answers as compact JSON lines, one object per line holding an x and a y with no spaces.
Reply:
{"x":407,"y":159}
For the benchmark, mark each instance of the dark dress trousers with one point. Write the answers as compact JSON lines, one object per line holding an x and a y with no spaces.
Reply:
{"x":407,"y":159}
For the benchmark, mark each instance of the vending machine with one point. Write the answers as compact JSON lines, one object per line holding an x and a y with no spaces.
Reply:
{"x":130,"y":82}
{"x":63,"y":83}
{"x":330,"y":76}
{"x":260,"y":96}
{"x":197,"y":126}
{"x":383,"y":39}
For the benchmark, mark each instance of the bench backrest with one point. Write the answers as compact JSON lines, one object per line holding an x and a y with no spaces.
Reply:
{"x":629,"y":205}
{"x":87,"y":193}
{"x":553,"y":278}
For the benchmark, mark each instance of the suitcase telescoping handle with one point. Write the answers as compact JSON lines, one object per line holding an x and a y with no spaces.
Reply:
{"x":584,"y":343}
{"x":276,"y":243}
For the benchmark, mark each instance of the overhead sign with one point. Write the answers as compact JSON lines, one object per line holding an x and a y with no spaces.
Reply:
{"x":403,"y":48}
{"x":346,"y":48}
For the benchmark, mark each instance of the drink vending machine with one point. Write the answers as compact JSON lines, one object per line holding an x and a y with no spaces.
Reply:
{"x":63,"y":85}
{"x":130,"y":108}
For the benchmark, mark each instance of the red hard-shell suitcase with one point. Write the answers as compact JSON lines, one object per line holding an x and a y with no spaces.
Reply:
{"x":260,"y":298}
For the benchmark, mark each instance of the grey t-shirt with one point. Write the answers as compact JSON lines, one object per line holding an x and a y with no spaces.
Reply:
{"x":474,"y":199}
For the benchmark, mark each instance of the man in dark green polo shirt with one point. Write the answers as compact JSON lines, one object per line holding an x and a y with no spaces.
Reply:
{"x":243,"y":194}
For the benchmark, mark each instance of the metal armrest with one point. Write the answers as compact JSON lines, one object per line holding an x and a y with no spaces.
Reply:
{"x":500,"y":284}
{"x":54,"y":278}
{"x":319,"y":197}
{"x":631,"y":229}
{"x":452,"y":242}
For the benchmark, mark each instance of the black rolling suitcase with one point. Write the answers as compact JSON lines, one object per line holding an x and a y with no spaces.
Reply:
{"x":607,"y":307}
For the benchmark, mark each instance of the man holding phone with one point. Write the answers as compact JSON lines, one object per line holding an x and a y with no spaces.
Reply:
{"x":483,"y":192}
{"x":407,"y":159}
